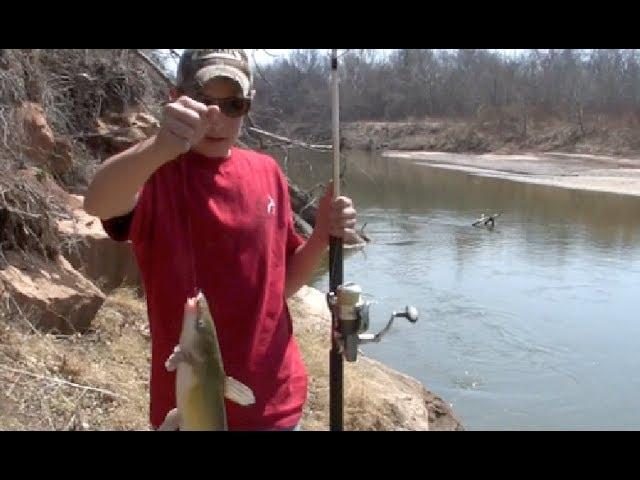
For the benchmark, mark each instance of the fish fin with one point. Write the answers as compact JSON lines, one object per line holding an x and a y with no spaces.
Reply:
{"x":238,"y":392}
{"x":171,"y":421}
{"x":174,"y":359}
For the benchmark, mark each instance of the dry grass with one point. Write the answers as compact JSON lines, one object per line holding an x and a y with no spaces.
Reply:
{"x":111,"y":360}
{"x":75,"y":88}
{"x":27,"y":213}
{"x":109,"y":367}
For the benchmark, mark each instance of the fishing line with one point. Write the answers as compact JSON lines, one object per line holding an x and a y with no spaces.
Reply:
{"x":190,"y":246}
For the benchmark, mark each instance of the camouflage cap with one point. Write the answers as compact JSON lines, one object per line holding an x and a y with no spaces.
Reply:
{"x":198,"y":66}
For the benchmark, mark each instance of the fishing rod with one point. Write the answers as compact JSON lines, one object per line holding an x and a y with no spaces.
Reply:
{"x":349,"y":313}
{"x":335,"y":265}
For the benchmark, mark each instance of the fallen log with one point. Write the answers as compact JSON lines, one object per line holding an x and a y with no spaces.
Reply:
{"x":486,"y":220}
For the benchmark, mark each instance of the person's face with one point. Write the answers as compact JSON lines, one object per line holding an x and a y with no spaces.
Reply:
{"x":223,"y":130}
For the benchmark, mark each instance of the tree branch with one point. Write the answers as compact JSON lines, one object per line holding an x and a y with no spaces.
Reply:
{"x":155,"y":67}
{"x":289,"y":141}
{"x":64,"y":382}
{"x":259,"y":70}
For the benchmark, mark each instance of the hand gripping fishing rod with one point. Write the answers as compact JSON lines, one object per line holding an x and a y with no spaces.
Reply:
{"x":349,"y":314}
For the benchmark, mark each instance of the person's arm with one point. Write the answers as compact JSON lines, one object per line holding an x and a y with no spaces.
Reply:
{"x":113,"y":190}
{"x":303,"y":262}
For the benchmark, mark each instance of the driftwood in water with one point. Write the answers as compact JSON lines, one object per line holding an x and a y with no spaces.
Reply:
{"x":302,"y":227}
{"x":303,"y":203}
{"x":486,"y":220}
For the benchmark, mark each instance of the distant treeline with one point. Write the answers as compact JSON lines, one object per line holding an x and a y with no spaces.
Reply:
{"x":414,"y":83}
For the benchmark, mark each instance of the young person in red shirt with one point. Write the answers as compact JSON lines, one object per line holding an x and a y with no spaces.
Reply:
{"x":201,"y":213}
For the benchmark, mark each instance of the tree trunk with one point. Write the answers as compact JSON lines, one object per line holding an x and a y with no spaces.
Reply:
{"x":524,"y":118}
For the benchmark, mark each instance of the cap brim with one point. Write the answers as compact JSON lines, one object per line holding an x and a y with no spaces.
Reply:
{"x":207,"y":74}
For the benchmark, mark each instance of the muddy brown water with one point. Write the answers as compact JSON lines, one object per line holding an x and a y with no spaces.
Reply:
{"x":532,"y":325}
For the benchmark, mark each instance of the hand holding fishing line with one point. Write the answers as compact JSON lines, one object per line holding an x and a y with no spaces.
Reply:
{"x":184,"y":124}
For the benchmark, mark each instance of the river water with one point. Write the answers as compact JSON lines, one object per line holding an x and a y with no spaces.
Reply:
{"x":530,"y":326}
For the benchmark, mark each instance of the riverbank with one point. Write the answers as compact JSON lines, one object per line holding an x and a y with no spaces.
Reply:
{"x":620,"y":175}
{"x":100,"y":380}
{"x":496,"y":131}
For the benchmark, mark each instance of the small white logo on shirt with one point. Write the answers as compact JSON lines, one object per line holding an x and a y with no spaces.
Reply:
{"x":271,"y":206}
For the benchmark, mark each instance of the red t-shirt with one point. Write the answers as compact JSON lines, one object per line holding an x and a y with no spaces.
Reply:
{"x":243,"y":234}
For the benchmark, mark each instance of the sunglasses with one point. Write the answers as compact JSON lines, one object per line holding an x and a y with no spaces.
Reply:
{"x":233,"y":107}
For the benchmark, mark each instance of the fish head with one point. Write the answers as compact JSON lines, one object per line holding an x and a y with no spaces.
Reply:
{"x":198,"y":336}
